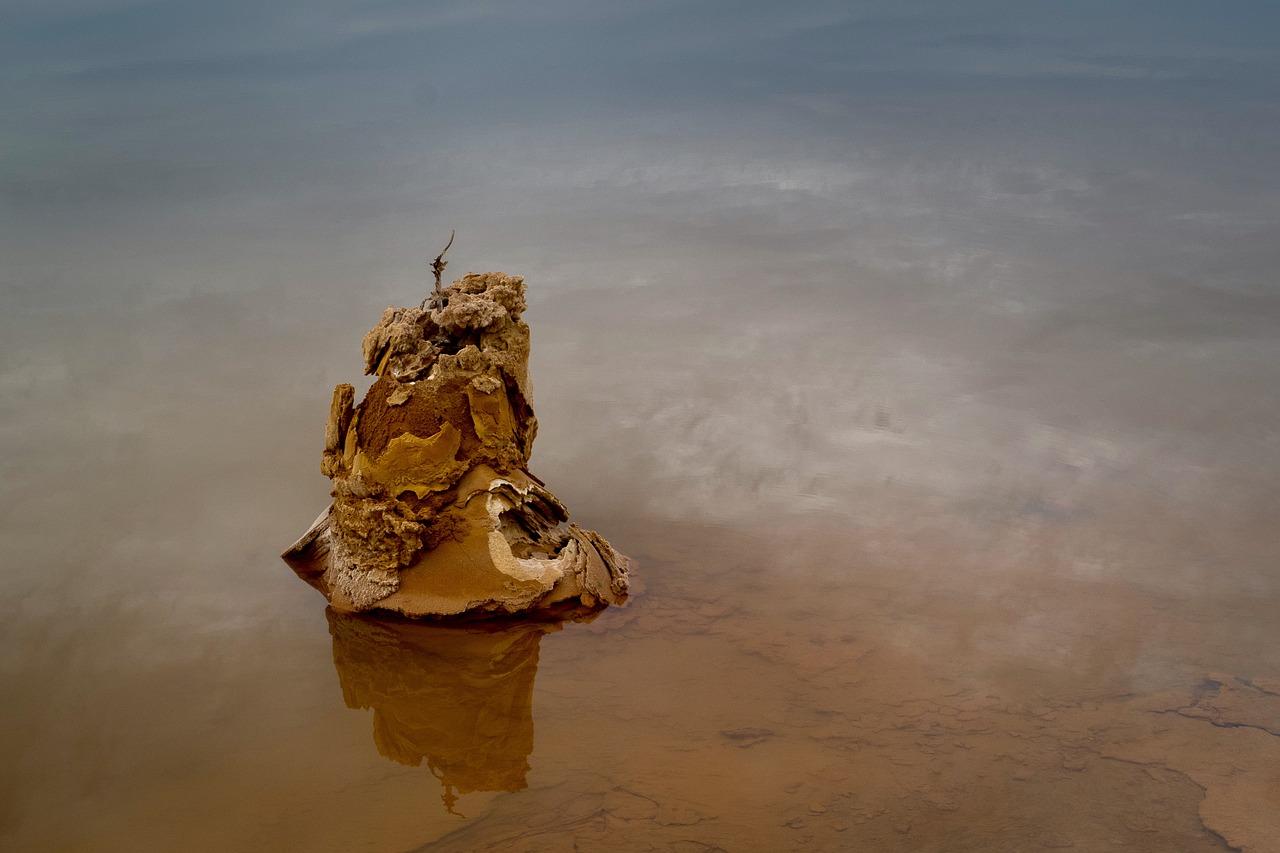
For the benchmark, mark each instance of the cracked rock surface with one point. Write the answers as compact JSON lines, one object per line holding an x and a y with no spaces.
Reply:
{"x":435,"y":512}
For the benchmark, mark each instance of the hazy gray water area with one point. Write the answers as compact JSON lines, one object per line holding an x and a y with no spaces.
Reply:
{"x":924,"y":356}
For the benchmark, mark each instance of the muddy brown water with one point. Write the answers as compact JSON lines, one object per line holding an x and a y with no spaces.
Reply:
{"x":924,"y":358}
{"x":886,"y":600}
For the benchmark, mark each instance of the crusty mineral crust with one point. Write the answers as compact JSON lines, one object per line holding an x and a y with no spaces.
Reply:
{"x":434,"y":510}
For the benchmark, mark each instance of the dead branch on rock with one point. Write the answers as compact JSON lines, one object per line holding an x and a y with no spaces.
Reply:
{"x":437,"y":267}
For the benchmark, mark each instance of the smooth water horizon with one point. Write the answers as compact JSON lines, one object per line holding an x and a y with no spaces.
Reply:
{"x":924,"y":356}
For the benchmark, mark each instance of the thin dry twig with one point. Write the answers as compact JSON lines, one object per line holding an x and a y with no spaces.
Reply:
{"x":437,"y":267}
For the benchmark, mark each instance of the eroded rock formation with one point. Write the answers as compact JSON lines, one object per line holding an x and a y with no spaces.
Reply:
{"x":434,"y":510}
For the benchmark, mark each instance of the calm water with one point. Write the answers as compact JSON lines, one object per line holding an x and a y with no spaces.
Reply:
{"x":926,"y":362}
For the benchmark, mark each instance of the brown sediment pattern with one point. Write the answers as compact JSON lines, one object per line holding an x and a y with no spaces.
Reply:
{"x":876,"y":732}
{"x":435,"y":512}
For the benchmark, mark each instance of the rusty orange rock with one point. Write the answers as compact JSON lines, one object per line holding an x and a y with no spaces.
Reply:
{"x":435,"y":512}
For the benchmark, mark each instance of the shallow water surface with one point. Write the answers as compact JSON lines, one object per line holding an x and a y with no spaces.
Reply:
{"x":924,"y":356}
{"x":726,"y":710}
{"x":862,"y":621}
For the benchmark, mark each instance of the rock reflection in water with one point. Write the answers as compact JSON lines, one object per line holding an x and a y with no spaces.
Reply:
{"x":458,"y":698}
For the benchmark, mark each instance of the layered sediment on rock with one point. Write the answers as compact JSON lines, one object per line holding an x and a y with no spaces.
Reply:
{"x":435,"y":512}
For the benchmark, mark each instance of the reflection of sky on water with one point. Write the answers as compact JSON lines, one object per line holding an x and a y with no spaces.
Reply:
{"x":986,"y":288}
{"x":625,"y":142}
{"x":1002,"y":255}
